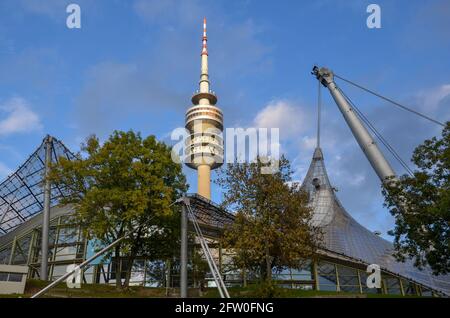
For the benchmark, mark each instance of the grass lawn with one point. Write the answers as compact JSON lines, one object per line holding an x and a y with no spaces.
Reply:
{"x":107,"y":291}
{"x":252,"y":292}
{"x":88,"y":291}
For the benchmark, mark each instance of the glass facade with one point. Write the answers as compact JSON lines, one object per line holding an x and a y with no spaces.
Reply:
{"x":66,"y":246}
{"x":392,"y":285}
{"x":326,"y":277}
{"x":337,"y":277}
{"x":348,"y":279}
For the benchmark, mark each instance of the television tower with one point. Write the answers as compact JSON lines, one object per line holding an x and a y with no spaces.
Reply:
{"x":204,"y":121}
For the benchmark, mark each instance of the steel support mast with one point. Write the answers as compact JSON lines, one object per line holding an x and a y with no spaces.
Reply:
{"x":368,"y":145}
{"x":184,"y":252}
{"x":46,"y":213}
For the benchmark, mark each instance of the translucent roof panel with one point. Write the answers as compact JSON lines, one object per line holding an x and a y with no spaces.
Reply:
{"x":22,"y":193}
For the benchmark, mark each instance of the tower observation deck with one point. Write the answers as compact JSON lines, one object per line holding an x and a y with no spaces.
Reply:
{"x":204,"y":121}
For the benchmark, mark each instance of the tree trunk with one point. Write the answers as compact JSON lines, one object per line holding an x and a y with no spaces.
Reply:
{"x":268,"y":266}
{"x":194,"y":276}
{"x":130,"y":259}
{"x":244,"y":277}
{"x":118,"y":267}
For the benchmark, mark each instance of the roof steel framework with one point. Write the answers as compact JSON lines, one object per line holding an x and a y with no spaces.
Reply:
{"x":212,"y":218}
{"x":22,"y":192}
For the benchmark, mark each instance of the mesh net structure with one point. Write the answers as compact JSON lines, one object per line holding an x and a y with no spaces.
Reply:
{"x":212,"y":218}
{"x":22,"y":192}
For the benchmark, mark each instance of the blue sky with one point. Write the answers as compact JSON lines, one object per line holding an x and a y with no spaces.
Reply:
{"x":134,"y":65}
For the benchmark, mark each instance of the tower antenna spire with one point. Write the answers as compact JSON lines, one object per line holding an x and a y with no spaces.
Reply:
{"x":204,"y":76}
{"x":205,"y":39}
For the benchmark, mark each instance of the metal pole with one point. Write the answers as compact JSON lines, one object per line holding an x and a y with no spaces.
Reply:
{"x":79,"y":267}
{"x":319,"y":109}
{"x":184,"y":250}
{"x":368,"y":145}
{"x":212,"y":265}
{"x":46,"y":213}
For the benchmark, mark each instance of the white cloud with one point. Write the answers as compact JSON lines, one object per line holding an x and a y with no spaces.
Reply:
{"x":308,"y":143}
{"x":17,"y":117}
{"x":290,"y":118}
{"x":4,"y":171}
{"x":433,"y":97}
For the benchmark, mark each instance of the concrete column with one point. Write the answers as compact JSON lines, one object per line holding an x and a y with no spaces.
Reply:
{"x":204,"y":181}
{"x":184,"y":250}
{"x":46,"y":213}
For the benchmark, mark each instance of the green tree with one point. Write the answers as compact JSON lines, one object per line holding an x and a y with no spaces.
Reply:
{"x":421,"y":206}
{"x":273,"y":227}
{"x":125,"y":186}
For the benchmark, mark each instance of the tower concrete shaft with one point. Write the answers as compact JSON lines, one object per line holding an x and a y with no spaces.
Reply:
{"x":204,"y":181}
{"x":204,"y":121}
